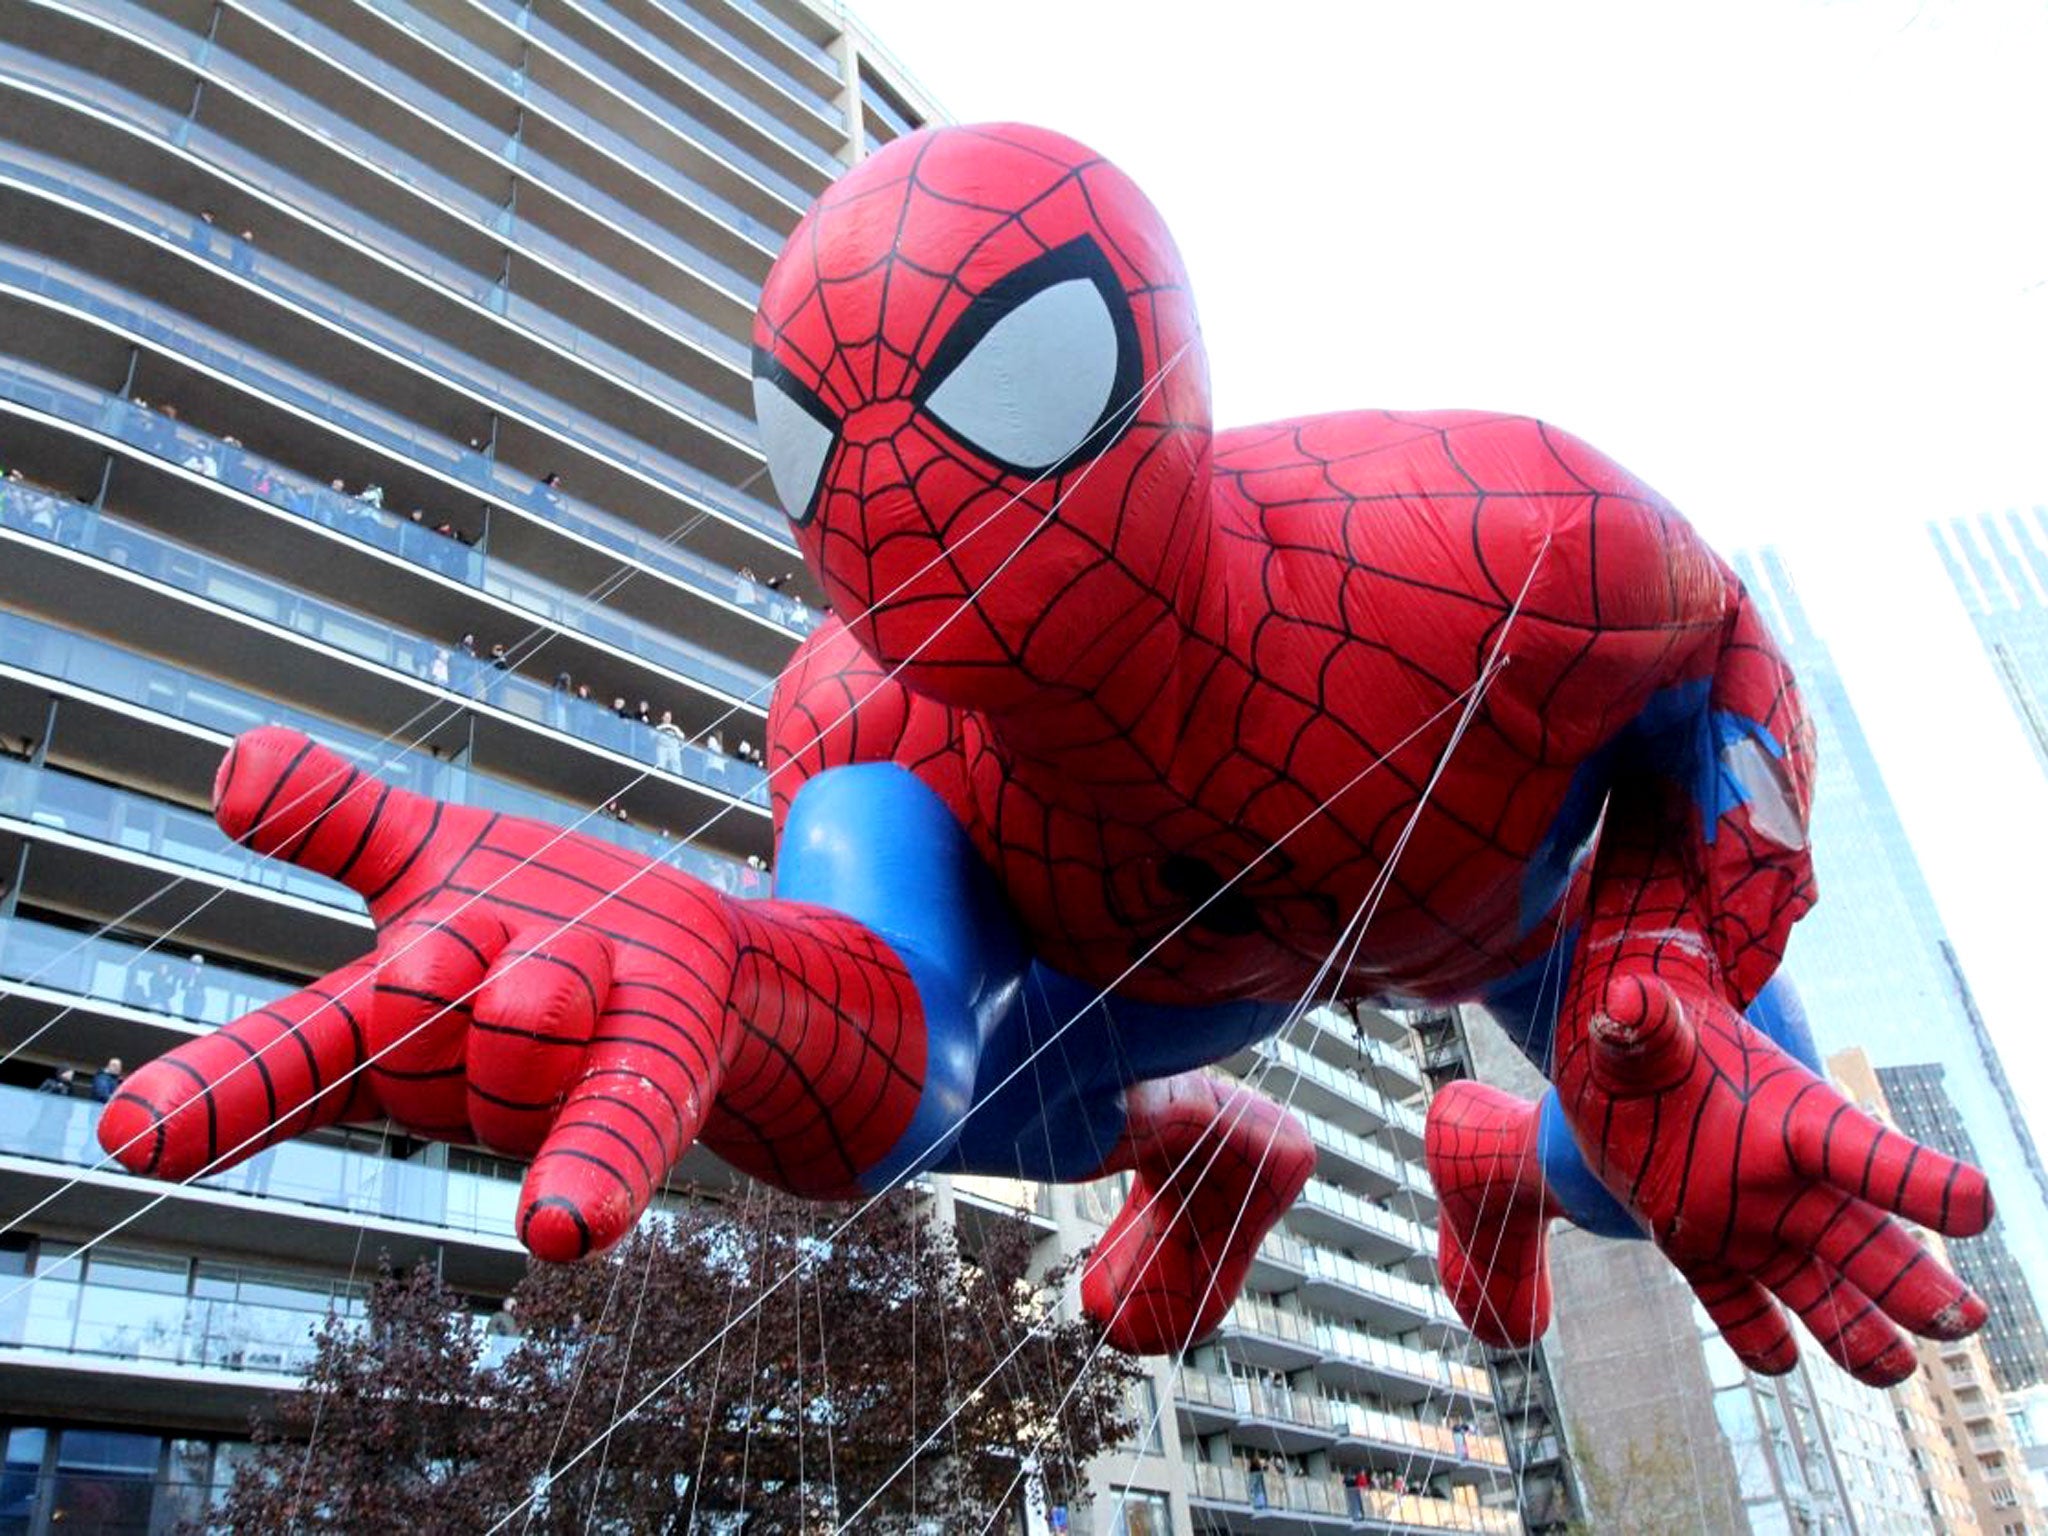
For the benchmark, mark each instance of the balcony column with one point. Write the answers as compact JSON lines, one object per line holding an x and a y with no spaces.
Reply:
{"x":10,"y":895}
{"x":39,"y":754}
{"x":847,"y":56}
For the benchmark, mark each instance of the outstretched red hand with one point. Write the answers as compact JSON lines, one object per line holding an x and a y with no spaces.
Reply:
{"x":1759,"y":1180}
{"x":1753,"y":1175}
{"x":543,"y":993}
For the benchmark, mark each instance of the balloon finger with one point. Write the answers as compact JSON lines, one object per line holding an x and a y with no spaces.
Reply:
{"x":420,"y":1024}
{"x":1853,"y":1152}
{"x":648,"y":1079}
{"x":1887,"y":1263}
{"x":268,"y":1076}
{"x":1845,"y":1322}
{"x":529,"y":1025}
{"x":1748,"y":1319}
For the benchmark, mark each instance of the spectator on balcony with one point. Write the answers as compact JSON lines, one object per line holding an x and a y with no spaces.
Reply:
{"x":371,"y":495}
{"x":62,"y":1081}
{"x":744,"y":586}
{"x":668,"y":743}
{"x":1461,"y":1429}
{"x":1255,"y":1478}
{"x":107,"y":1081}
{"x":547,"y":495}
{"x":202,"y":232}
{"x":242,"y":254}
{"x":500,"y":657}
{"x":1354,"y":1495}
{"x":644,"y":713}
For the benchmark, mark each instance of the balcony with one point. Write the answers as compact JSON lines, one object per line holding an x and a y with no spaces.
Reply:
{"x":1338,"y":1283}
{"x":1331,"y":1091}
{"x":1282,"y":1418}
{"x":625,"y":425}
{"x":1352,"y":1358}
{"x":566,"y":731}
{"x":186,"y":496}
{"x":1226,"y":1498}
{"x":1261,"y":1334}
{"x":1391,"y":1443}
{"x":1387,"y":1064}
{"x":808,"y":82}
{"x":1337,"y":1218}
{"x":314,"y":1202}
{"x":209,"y":713}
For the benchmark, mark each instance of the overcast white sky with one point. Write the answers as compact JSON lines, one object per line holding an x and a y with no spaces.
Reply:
{"x":1788,"y":262}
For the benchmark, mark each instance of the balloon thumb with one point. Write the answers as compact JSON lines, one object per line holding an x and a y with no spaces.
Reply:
{"x":1642,"y":1041}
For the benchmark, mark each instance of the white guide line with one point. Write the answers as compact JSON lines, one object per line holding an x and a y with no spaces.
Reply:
{"x":945,"y":1136}
{"x":233,"y":1154}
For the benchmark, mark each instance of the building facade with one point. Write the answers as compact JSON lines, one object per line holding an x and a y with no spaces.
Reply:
{"x":1999,"y":565}
{"x":1875,"y":969}
{"x":381,"y":368}
{"x":347,"y":350}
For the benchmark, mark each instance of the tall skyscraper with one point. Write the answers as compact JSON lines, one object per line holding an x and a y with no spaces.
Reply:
{"x":2013,"y":1337}
{"x":1872,"y":960}
{"x":1999,"y":564}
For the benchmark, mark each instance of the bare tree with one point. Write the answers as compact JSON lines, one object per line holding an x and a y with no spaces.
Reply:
{"x":673,"y":1384}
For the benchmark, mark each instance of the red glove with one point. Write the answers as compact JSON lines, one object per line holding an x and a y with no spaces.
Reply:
{"x":1755,"y":1177}
{"x":543,"y":993}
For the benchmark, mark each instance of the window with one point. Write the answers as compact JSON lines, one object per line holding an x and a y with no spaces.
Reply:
{"x":1143,"y":1514}
{"x":105,"y":1481}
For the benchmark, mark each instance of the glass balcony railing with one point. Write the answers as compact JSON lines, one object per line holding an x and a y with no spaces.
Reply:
{"x":814,"y":92}
{"x":171,"y":691}
{"x":1361,"y":1212}
{"x":1268,"y":1321}
{"x":1304,"y":1064}
{"x":1359,"y":1347}
{"x":1257,"y":1399}
{"x":1349,"y":1144}
{"x":177,"y":225}
{"x":503,"y":389}
{"x":1325,"y":1495}
{"x":179,"y":335}
{"x":135,"y":1304}
{"x":55,"y":393}
{"x":1340,"y":1269}
{"x":493,"y":139}
{"x":678,"y":62}
{"x":112,"y":970}
{"x":382,"y":528}
{"x":63,"y":802}
{"x":79,"y":528}
{"x":697,"y":126}
{"x":782,"y":29}
{"x":429,"y":1187}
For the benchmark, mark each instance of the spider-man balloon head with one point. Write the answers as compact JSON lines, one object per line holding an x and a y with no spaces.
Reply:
{"x":981,"y":389}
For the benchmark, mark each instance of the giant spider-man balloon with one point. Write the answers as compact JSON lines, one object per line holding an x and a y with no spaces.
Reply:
{"x":1160,"y":729}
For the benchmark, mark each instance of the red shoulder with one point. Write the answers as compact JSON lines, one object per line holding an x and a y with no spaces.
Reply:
{"x":834,"y":705}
